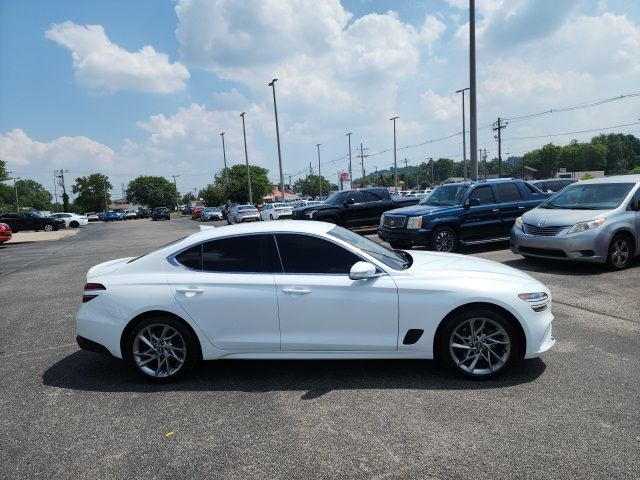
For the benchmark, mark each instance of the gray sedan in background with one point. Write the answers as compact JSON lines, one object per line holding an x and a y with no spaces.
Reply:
{"x":593,"y":221}
{"x":243,"y":213}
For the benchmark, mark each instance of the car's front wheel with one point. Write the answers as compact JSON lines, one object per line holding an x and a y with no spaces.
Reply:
{"x":74,"y":224}
{"x":161,"y":349}
{"x":620,"y":252}
{"x":445,"y":239}
{"x":49,"y":227}
{"x":479,"y":343}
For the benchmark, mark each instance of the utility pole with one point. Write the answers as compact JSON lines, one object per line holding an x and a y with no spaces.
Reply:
{"x":464,"y":137}
{"x":498,"y":126}
{"x":104,"y":185}
{"x":275,"y":109}
{"x":175,"y":185}
{"x":433,"y":180}
{"x":362,"y":157}
{"x":395,"y":163}
{"x":224,"y":156}
{"x":55,"y":188}
{"x":15,"y":187}
{"x":472,"y":90}
{"x":350,"y":172}
{"x":319,"y":174}
{"x":406,"y":173}
{"x":65,"y":197}
{"x":246,"y":158}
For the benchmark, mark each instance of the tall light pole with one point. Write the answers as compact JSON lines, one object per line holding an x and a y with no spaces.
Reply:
{"x":319,"y":174}
{"x":464,"y":136}
{"x":224,"y":156}
{"x":246,"y":157}
{"x":275,"y":109}
{"x":55,"y":187}
{"x":395,"y":161}
{"x":472,"y":90}
{"x":175,"y":185}
{"x":104,"y":185}
{"x":350,"y":172}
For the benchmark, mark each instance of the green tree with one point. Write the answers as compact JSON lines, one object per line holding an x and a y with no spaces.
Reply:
{"x":311,"y":185}
{"x":3,"y":171}
{"x":213,"y":195}
{"x":31,"y":194}
{"x":5,"y":190}
{"x":238,"y":190}
{"x":90,"y":192}
{"x":189,"y":197}
{"x":152,"y":192}
{"x":623,"y":151}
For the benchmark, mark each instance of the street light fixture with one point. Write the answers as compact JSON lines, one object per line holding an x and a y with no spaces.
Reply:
{"x":246,"y":157}
{"x":319,"y":174}
{"x":224,"y":156}
{"x":464,"y":136}
{"x":275,"y":109}
{"x":395,"y":162}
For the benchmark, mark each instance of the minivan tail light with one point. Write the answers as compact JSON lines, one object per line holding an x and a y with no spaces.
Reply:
{"x":91,"y":287}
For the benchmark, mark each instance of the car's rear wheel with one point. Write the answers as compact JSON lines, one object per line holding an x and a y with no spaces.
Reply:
{"x":49,"y":227}
{"x":620,"y":252}
{"x":161,"y":349}
{"x":74,"y":224}
{"x":479,"y":343}
{"x":401,"y":244}
{"x":444,"y":239}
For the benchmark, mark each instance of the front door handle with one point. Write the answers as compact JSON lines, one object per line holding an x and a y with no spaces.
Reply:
{"x":296,"y":291}
{"x":495,"y":209}
{"x":521,"y":208}
{"x":190,"y":290}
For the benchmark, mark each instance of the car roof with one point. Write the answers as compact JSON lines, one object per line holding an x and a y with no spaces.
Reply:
{"x":281,"y":226}
{"x":482,"y":181}
{"x":634,"y":178}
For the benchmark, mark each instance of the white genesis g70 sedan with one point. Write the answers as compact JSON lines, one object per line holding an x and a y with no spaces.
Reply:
{"x":309,"y":290}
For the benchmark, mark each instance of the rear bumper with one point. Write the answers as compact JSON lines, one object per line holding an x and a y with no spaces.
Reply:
{"x":420,"y":237}
{"x":91,"y":346}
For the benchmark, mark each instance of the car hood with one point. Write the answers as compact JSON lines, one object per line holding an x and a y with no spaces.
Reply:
{"x":107,"y":267}
{"x":423,"y":210}
{"x":449,"y":265}
{"x":561,"y":217}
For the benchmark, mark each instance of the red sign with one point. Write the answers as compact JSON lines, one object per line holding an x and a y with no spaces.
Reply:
{"x":344,"y":176}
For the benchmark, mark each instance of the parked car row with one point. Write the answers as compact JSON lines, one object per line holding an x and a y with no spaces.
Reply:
{"x":19,"y":221}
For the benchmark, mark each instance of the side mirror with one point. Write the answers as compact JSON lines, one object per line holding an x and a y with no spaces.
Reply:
{"x":350,"y":201}
{"x":472,"y":202}
{"x":362,"y":271}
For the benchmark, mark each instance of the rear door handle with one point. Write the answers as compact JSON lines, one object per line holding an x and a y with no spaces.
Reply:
{"x":296,"y":291}
{"x":521,"y":208}
{"x":495,"y":209}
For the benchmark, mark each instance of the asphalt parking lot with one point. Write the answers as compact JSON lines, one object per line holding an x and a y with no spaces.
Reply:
{"x":65,"y":413}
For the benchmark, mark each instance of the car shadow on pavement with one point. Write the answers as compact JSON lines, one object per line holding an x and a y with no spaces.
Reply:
{"x":564,"y":268}
{"x":99,"y":373}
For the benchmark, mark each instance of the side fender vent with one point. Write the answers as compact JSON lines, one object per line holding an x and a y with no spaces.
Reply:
{"x":412,"y":336}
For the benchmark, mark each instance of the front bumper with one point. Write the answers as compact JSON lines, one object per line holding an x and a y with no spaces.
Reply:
{"x":419,"y":237}
{"x":590,"y":246}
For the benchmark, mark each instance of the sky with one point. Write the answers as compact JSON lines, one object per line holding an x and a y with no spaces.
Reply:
{"x":146,"y":87}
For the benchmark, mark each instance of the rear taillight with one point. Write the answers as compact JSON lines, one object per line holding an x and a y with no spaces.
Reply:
{"x":91,"y":287}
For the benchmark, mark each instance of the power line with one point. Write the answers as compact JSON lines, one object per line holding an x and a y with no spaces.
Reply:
{"x":572,"y":133}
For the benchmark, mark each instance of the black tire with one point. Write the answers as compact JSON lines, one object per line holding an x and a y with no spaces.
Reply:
{"x":270,"y":217}
{"x":49,"y":227}
{"x":401,"y":244}
{"x":74,"y":224}
{"x":444,"y":239}
{"x":462,"y":359}
{"x":620,"y":252}
{"x":182,"y":347}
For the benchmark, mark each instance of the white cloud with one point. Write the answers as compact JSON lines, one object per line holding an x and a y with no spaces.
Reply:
{"x":432,"y":29}
{"x":441,"y":108}
{"x":98,"y":63}
{"x":20,"y":151}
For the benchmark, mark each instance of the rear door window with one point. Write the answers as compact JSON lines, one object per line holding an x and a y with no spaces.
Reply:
{"x":508,"y":192}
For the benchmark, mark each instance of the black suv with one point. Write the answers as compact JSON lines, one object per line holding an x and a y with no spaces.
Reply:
{"x":31,"y":221}
{"x":161,"y":212}
{"x":460,"y":214}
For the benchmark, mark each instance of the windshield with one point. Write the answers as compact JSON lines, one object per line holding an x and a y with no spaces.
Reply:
{"x":337,"y":198}
{"x":446,"y":195}
{"x":589,"y":196}
{"x":395,"y":259}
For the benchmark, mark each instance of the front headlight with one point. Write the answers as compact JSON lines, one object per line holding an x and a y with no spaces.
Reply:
{"x":414,"y":223}
{"x":582,"y":226}
{"x":533,"y":297}
{"x":381,"y":220}
{"x":518,"y":223}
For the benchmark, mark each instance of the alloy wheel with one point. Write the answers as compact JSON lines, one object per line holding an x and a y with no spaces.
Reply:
{"x":48,"y":227}
{"x":480,"y":346}
{"x":444,"y":241}
{"x":159,"y":350}
{"x":620,"y":252}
